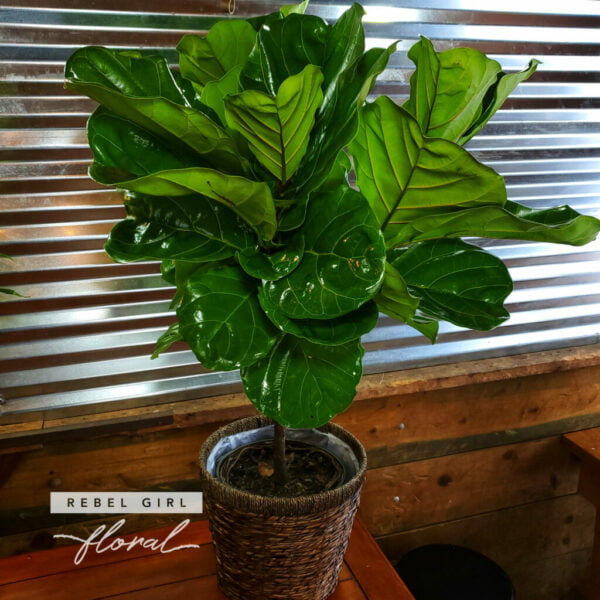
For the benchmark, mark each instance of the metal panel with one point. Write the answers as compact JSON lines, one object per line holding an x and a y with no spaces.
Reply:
{"x":80,"y":341}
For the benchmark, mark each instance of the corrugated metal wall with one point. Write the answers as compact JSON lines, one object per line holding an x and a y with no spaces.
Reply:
{"x":82,"y":337}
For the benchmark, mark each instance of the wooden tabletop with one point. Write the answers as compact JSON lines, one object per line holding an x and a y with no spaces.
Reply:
{"x":586,"y":445}
{"x":146,"y":574}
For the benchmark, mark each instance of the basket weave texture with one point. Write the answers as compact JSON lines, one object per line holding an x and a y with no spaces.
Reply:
{"x":279,"y":548}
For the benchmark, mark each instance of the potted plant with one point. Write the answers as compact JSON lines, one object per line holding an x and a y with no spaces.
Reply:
{"x":236,"y":170}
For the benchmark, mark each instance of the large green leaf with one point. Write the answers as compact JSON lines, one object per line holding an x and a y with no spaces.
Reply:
{"x":227,"y":45}
{"x":278,"y":129}
{"x":456,"y":282}
{"x":561,"y":225}
{"x":343,"y":260}
{"x":123,"y":150}
{"x":273,"y":265}
{"x":129,"y":72}
{"x":301,"y":384}
{"x":198,"y":214}
{"x":496,"y":96}
{"x":130,"y":241}
{"x":214,"y":92}
{"x":339,"y":174}
{"x":177,"y":273}
{"x":454,"y":93}
{"x":395,"y":300}
{"x":284,"y":48}
{"x":345,"y":47}
{"x":404,"y":175}
{"x":331,"y":332}
{"x":251,"y":200}
{"x":337,"y":121}
{"x":92,"y":73}
{"x":221,"y":320}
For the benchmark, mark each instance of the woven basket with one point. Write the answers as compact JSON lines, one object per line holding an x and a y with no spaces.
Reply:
{"x":279,"y":548}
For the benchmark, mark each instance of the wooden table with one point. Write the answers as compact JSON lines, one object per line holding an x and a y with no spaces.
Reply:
{"x":141,"y":574}
{"x":585,"y":445}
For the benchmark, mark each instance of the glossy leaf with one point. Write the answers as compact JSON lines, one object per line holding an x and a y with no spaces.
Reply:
{"x":561,"y":225}
{"x":293,"y":217}
{"x":129,"y":72}
{"x":166,"y":340}
{"x":221,"y":320}
{"x":90,"y":73}
{"x":214,"y":92}
{"x":456,"y":282}
{"x":272,"y":266}
{"x":177,"y":272}
{"x":495,"y":97}
{"x":196,"y":214}
{"x":284,"y":48}
{"x":339,"y":174}
{"x":404,"y":175}
{"x":290,"y":9}
{"x":343,"y":260}
{"x":130,"y":241}
{"x":331,"y":332}
{"x":251,"y":200}
{"x":278,"y":129}
{"x":457,"y":91}
{"x":226,"y":46}
{"x":337,"y":122}
{"x":123,"y":150}
{"x":345,"y":47}
{"x":301,"y":384}
{"x":395,"y":300}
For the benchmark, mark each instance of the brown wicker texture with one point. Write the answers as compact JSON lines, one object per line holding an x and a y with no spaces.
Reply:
{"x":280,"y":548}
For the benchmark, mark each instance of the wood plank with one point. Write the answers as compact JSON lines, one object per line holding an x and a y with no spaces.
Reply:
{"x":59,"y":560}
{"x":592,"y":583}
{"x":206,"y":588}
{"x":203,"y":588}
{"x":435,"y":423}
{"x":117,"y":577}
{"x":589,"y":487}
{"x":512,"y":537}
{"x":120,"y":463}
{"x":351,"y":590}
{"x":407,"y":496}
{"x":586,"y":446}
{"x":553,"y":578}
{"x":377,"y":577}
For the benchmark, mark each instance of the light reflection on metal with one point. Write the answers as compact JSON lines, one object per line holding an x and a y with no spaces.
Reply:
{"x":81,"y":341}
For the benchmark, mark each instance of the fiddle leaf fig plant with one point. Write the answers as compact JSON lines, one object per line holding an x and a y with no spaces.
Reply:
{"x":238,"y":170}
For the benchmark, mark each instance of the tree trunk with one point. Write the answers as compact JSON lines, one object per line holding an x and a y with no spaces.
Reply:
{"x":279,"y":465}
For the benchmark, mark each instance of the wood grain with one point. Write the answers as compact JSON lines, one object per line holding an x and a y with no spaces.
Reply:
{"x":537,"y":532}
{"x":435,"y":423}
{"x":586,"y":446}
{"x":143,"y":574}
{"x":368,"y":564}
{"x":19,"y":568}
{"x":118,"y":463}
{"x":406,"y":496}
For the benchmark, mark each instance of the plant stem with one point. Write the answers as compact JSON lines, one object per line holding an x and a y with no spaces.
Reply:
{"x":281,"y":474}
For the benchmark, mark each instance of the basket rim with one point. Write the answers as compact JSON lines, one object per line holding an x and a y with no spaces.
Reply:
{"x":228,"y":495}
